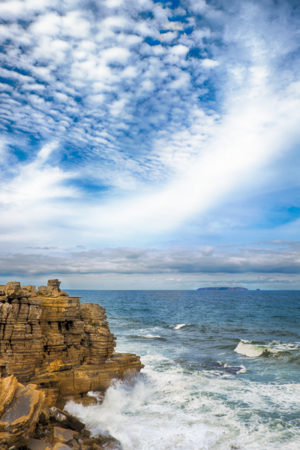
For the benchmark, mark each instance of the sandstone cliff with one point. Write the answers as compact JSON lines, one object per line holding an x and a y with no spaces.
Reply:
{"x":66,"y":348}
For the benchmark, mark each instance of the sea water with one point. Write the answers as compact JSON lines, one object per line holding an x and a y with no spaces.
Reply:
{"x":222,"y":370}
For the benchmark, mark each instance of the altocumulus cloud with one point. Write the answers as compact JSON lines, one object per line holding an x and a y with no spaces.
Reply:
{"x":126,"y":123}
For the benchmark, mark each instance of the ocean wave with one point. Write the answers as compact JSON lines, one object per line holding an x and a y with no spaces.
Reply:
{"x":171,"y":409}
{"x":179,"y":326}
{"x":235,"y":369}
{"x":147,"y":336}
{"x":219,"y":367}
{"x":253,"y":350}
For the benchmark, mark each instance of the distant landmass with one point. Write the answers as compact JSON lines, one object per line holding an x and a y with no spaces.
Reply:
{"x":222,"y":288}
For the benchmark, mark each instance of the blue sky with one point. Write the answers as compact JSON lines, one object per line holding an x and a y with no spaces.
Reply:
{"x":150,"y":144}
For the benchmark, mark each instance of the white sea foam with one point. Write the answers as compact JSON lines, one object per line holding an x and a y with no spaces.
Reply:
{"x":171,"y":409}
{"x":250,"y":350}
{"x":149,"y":336}
{"x":247,"y":348}
{"x":179,"y":326}
{"x":282,"y":347}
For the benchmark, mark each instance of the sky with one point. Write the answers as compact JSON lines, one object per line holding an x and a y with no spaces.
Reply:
{"x":150,"y":145}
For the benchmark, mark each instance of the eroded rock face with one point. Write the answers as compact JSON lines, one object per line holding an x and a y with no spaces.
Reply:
{"x":48,"y":338}
{"x":20,"y":408}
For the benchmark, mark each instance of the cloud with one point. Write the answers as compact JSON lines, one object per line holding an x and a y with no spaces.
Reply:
{"x":128,"y":122}
{"x":260,"y":265}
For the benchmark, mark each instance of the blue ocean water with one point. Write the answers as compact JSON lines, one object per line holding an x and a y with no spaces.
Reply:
{"x":222,"y":370}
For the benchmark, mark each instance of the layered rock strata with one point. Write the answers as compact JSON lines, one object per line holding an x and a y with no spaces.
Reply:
{"x":66,"y":348}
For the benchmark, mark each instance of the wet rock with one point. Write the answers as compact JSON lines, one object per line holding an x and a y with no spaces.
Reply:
{"x":65,"y":419}
{"x":37,"y":444}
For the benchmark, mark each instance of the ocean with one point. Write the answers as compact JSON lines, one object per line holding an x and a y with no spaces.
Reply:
{"x":222,"y":370}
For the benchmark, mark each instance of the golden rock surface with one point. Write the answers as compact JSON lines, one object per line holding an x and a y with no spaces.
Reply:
{"x":20,"y":408}
{"x":26,"y":423}
{"x":64,"y":347}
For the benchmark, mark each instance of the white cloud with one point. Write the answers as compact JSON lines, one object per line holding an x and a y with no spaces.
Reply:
{"x":115,"y":54}
{"x":168,"y":37}
{"x":114,"y":3}
{"x":32,"y":184}
{"x":47,"y":24}
{"x":180,"y":50}
{"x":117,"y":107}
{"x":162,"y":138}
{"x":177,"y":268}
{"x":113,"y":22}
{"x":173,"y":25}
{"x":209,"y":63}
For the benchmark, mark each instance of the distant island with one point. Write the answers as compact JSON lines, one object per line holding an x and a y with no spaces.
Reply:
{"x":222,"y":288}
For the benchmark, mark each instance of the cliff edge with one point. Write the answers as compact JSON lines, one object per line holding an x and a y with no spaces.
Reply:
{"x":64,"y":349}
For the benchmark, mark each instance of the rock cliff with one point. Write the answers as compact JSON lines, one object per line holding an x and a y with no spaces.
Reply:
{"x":66,"y":348}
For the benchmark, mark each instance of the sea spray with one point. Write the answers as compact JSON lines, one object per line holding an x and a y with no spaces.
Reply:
{"x":172,"y":409}
{"x":195,"y":391}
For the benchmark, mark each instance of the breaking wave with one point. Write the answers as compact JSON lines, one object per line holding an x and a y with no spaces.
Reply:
{"x":179,"y":326}
{"x":253,"y":350}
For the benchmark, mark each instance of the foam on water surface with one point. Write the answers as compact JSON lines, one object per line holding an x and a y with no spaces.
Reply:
{"x":179,"y":326}
{"x":251,"y":350}
{"x":172,"y":409}
{"x":247,"y":348}
{"x":149,"y":336}
{"x":195,"y":391}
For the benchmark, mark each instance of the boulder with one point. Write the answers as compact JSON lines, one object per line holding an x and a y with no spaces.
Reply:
{"x":20,"y":410}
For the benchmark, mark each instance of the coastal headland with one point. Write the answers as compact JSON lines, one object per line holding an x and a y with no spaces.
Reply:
{"x":53,"y":349}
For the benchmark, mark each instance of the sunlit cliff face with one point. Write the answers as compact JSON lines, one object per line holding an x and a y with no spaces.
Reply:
{"x":149,"y":128}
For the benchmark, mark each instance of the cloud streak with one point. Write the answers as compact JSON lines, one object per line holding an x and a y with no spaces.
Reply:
{"x":205,"y":260}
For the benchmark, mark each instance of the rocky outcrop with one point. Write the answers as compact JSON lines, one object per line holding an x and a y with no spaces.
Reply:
{"x":27,"y":424}
{"x":66,"y":348}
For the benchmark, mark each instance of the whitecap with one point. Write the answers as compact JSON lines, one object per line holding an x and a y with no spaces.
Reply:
{"x":251,"y":350}
{"x":149,"y":336}
{"x":247,"y":348}
{"x":179,"y":326}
